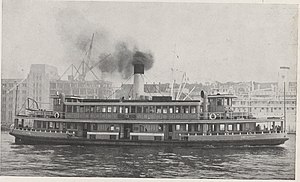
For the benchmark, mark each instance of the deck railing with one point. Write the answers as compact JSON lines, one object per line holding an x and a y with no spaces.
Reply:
{"x":228,"y":133}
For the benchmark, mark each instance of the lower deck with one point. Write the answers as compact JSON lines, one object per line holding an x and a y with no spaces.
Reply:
{"x":184,"y":131}
{"x":253,"y":139}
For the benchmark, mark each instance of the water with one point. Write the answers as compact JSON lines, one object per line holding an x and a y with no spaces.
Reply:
{"x":151,"y":162}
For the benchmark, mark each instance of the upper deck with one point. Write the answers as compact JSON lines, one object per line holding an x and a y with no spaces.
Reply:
{"x":211,"y":107}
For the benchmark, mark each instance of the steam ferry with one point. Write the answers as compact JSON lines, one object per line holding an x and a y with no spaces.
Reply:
{"x":209,"y":121}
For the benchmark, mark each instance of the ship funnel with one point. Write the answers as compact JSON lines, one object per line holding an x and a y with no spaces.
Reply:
{"x":138,"y":80}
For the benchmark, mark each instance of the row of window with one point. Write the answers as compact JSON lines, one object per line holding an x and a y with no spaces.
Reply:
{"x":83,"y":92}
{"x":131,"y":109}
{"x":55,"y":125}
{"x":271,"y":109}
{"x":78,"y":85}
{"x":262,"y":102}
{"x":199,"y":127}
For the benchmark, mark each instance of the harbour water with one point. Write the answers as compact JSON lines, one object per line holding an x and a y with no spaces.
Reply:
{"x":276,"y":162}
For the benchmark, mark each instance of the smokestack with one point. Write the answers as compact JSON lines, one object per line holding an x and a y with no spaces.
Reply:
{"x":138,"y":80}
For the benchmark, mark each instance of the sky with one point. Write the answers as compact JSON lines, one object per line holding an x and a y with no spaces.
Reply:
{"x":209,"y":42}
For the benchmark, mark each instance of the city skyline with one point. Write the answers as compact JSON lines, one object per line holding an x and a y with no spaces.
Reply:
{"x":207,"y":41}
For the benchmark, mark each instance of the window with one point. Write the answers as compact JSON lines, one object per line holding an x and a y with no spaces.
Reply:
{"x":126,"y":109}
{"x":92,"y":108}
{"x":75,"y":108}
{"x":170,"y":128}
{"x":94,"y":127}
{"x":121,"y":109}
{"x":177,"y":109}
{"x":177,"y":128}
{"x":229,"y":127}
{"x":133,"y":109}
{"x":112,"y":137}
{"x":238,"y":127}
{"x":68,"y":125}
{"x":98,"y":108}
{"x":158,"y":109}
{"x":219,"y":102}
{"x":226,"y":101}
{"x":109,"y":109}
{"x":185,"y":109}
{"x":193,"y":109}
{"x":160,"y":127}
{"x":157,"y":138}
{"x":50,"y":125}
{"x":213,"y":128}
{"x":189,"y":127}
{"x":112,"y":128}
{"x":171,"y":109}
{"x":93,"y":137}
{"x":115,"y":109}
{"x":165,"y":110}
{"x":142,"y":128}
{"x":81,"y":108}
{"x":44,"y":124}
{"x":152,"y":109}
{"x":38,"y":124}
{"x":135,"y":138}
{"x":87,"y":108}
{"x":146,"y":109}
{"x":103,"y":110}
{"x":139,"y":109}
{"x":56,"y":125}
{"x":69,"y":108}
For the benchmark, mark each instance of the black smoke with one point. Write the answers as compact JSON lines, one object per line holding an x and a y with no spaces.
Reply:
{"x":76,"y":31}
{"x":122,"y":60}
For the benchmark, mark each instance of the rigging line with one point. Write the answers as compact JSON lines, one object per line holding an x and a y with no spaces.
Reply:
{"x":24,"y":104}
{"x":148,"y":91}
{"x":117,"y":90}
{"x":65,"y":72}
{"x":130,"y":90}
{"x":154,"y":86}
{"x":153,"y":76}
{"x":91,"y":71}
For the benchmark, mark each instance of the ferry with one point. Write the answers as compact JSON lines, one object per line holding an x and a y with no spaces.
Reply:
{"x":145,"y":121}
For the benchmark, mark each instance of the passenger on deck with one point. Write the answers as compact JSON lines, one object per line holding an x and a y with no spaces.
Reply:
{"x":258,"y":127}
{"x":279,"y":128}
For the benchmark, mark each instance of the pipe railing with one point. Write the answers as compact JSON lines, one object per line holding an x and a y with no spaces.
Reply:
{"x":227,"y":133}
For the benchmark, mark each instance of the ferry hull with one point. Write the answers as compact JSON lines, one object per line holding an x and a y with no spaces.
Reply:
{"x":34,"y":140}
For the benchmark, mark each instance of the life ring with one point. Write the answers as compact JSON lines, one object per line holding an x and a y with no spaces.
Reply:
{"x":212,"y":116}
{"x":56,"y":115}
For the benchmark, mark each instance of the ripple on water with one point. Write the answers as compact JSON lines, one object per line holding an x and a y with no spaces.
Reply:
{"x":151,"y":162}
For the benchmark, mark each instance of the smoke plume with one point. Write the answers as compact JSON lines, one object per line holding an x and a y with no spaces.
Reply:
{"x":76,"y":30}
{"x":123,"y":58}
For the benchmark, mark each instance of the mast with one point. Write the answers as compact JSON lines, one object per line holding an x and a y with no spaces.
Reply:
{"x":16,"y":102}
{"x":172,"y":73}
{"x":284,"y":109}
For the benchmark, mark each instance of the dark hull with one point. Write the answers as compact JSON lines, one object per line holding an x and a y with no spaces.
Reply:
{"x":33,"y":140}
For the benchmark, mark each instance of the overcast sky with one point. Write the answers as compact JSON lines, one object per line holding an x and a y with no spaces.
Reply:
{"x":210,"y":42}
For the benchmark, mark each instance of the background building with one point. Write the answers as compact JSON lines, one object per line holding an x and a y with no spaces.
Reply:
{"x":42,"y":82}
{"x":38,"y":83}
{"x":9,"y":87}
{"x":86,"y":89}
